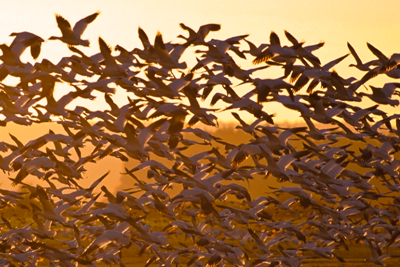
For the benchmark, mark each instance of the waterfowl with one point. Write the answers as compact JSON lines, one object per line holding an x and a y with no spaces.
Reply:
{"x":24,"y":40}
{"x":198,"y":37}
{"x":275,"y":50}
{"x":112,"y":68}
{"x":359,"y":65}
{"x":383,"y":95}
{"x":73,"y":36}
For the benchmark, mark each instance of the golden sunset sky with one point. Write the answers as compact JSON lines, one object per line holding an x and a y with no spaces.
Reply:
{"x":335,"y":22}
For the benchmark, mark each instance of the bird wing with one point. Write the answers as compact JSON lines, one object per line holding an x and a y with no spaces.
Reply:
{"x":44,"y":199}
{"x":81,"y":25}
{"x":285,"y":161}
{"x":106,"y":52}
{"x":332,"y":63}
{"x":274,"y":39}
{"x":162,"y":52}
{"x":64,"y":26}
{"x":238,"y":118}
{"x":354,"y":53}
{"x":204,"y":30}
{"x":291,"y":38}
{"x":192,"y":34}
{"x":263,"y":56}
{"x":146,"y":133}
{"x":377,"y":53}
{"x":35,"y":49}
{"x":144,"y":39}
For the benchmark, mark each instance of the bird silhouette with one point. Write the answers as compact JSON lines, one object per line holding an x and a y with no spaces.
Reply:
{"x":73,"y":36}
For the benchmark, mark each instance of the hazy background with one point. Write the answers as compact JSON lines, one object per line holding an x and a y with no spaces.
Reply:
{"x":335,"y":22}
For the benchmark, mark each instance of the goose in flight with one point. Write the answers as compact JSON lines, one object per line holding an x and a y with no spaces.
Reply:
{"x":387,"y":64}
{"x":359,"y":64}
{"x":72,"y":36}
{"x":115,"y":235}
{"x":168,"y":59}
{"x":112,"y":68}
{"x":383,"y":65}
{"x":135,"y":144}
{"x":305,"y":52}
{"x":198,"y":37}
{"x":383,"y":95}
{"x":317,"y":75}
{"x":248,"y":128}
{"x":24,"y":40}
{"x":8,"y":57}
{"x":275,"y":50}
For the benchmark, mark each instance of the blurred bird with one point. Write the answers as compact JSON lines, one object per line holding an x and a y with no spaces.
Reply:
{"x":72,"y":36}
{"x":24,"y":40}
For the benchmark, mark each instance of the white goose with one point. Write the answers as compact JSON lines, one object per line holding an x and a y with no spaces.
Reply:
{"x":383,"y":95}
{"x":116,"y":235}
{"x":112,"y":69}
{"x":24,"y":40}
{"x":72,"y":36}
{"x":359,"y":65}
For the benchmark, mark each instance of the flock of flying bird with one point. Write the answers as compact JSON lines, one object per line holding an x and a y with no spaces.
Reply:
{"x":339,"y":171}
